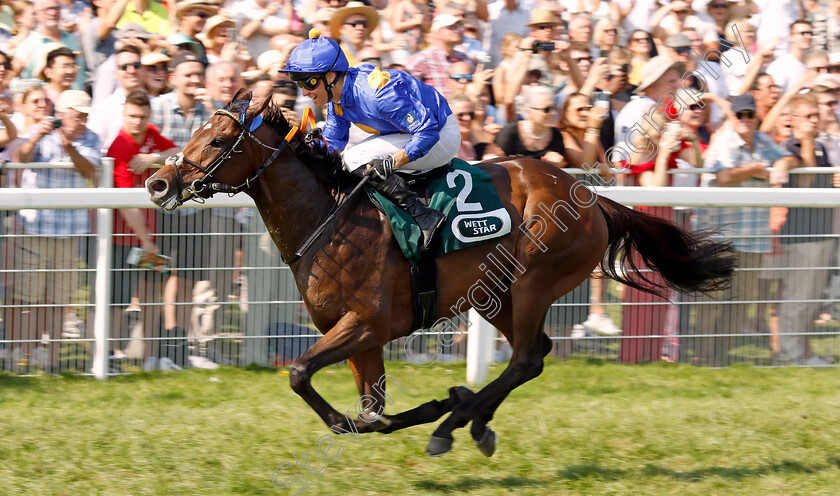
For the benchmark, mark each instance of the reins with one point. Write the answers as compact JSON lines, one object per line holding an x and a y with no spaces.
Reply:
{"x":200,"y":185}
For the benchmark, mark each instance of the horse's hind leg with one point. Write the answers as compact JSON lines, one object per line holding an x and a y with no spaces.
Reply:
{"x":482,"y":435}
{"x":526,"y":364}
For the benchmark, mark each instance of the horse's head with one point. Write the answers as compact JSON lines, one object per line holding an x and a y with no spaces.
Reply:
{"x":226,"y":154}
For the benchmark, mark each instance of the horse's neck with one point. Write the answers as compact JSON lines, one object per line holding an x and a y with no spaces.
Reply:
{"x":292,"y":201}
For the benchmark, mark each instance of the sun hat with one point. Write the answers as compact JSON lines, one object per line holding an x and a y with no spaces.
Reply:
{"x":656,"y":68}
{"x":351,"y":8}
{"x":74,"y":99}
{"x":542,"y":17}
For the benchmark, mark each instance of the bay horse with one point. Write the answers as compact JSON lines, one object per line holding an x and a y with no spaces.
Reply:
{"x":355,"y":281}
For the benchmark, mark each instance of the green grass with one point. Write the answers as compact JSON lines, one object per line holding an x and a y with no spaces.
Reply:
{"x":581,"y":428}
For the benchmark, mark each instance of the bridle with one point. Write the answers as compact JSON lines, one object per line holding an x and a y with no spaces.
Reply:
{"x":205,"y":182}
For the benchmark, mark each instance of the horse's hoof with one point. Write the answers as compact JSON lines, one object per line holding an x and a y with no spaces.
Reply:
{"x":375,"y":421}
{"x":462,"y":392}
{"x":439,"y":446}
{"x":487,"y":443}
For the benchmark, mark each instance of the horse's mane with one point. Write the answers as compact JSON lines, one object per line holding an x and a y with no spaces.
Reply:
{"x":325,"y":163}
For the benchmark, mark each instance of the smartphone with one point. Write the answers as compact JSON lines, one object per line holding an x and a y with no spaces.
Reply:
{"x":604,"y":54}
{"x":231,"y":34}
{"x":673,"y":128}
{"x":601,"y":99}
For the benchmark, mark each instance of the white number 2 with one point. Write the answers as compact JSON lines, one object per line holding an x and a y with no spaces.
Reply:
{"x":462,"y":204}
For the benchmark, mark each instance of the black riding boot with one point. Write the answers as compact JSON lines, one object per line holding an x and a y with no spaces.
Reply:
{"x":428,"y":219}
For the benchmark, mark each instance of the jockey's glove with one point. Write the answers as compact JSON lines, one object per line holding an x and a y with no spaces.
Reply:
{"x":381,"y":167}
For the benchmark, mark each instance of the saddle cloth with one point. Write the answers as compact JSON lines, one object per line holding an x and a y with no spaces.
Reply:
{"x":465,"y":195}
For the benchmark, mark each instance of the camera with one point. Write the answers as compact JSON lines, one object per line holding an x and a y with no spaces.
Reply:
{"x":542,"y":47}
{"x":56,"y":122}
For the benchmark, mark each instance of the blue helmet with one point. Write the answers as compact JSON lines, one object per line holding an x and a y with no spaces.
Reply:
{"x":316,"y":55}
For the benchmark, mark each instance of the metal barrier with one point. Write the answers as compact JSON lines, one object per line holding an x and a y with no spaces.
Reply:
{"x":257,"y":317}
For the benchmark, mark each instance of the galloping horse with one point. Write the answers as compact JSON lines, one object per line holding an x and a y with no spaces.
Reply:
{"x":355,"y":281}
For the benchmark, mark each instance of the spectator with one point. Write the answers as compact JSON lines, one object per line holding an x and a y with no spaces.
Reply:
{"x":156,"y":70}
{"x":640,"y":46}
{"x":136,"y":150}
{"x":720,"y":13}
{"x":833,"y":28}
{"x":711,"y":83}
{"x":218,"y":41}
{"x":740,"y":157}
{"x":58,"y":68}
{"x":635,"y":15}
{"x":581,"y":130}
{"x":191,"y":16}
{"x":790,"y":67}
{"x":49,"y":251}
{"x":580,"y":29}
{"x":178,"y":115}
{"x":766,"y":95}
{"x":740,"y":74}
{"x":97,"y":38}
{"x":805,"y":251}
{"x":472,"y":45}
{"x":48,"y":13}
{"x":223,"y":79}
{"x":150,"y":14}
{"x":354,"y":24}
{"x":502,"y":79}
{"x":131,"y":73}
{"x":471,"y":149}
{"x":25,"y":23}
{"x":816,"y":63}
{"x":412,"y":20}
{"x":259,"y":20}
{"x":660,"y":76}
{"x":605,"y":38}
{"x":106,"y":79}
{"x":432,"y":64}
{"x":544,"y":29}
{"x":321,"y":22}
{"x":535,"y":136}
{"x":503,"y":18}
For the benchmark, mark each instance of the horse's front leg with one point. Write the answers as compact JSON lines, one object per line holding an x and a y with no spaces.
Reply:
{"x":372,"y":381}
{"x":350,"y":337}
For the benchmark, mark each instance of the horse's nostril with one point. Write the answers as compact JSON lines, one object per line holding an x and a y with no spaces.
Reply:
{"x":159,"y":186}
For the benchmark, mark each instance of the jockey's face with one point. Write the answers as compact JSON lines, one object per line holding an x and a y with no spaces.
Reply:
{"x":319,"y":93}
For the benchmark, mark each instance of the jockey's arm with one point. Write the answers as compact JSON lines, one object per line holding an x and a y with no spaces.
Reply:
{"x":400,"y":158}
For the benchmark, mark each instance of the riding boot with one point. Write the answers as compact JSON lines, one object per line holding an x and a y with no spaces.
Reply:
{"x":428,"y":219}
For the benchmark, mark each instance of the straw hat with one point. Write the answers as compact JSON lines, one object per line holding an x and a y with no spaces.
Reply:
{"x":188,"y":5}
{"x":542,"y":17}
{"x":353,"y":8}
{"x":655,"y":69}
{"x":154,"y":59}
{"x":216,"y":21}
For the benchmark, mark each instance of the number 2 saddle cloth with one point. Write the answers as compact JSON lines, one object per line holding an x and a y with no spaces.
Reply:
{"x":465,"y":195}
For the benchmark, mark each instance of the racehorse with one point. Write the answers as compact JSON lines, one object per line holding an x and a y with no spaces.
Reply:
{"x":355,"y":280}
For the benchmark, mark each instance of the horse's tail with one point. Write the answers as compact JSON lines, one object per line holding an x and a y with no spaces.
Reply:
{"x":687,"y":261}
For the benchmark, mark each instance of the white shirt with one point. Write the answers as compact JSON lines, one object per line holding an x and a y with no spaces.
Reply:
{"x":639,"y":17}
{"x":106,"y":120}
{"x":630,"y":115}
{"x":786,"y":70}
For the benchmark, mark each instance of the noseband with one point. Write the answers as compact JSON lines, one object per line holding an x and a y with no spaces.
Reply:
{"x":205,"y":183}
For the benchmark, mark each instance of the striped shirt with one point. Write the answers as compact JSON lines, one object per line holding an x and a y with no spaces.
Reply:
{"x":749,"y":227}
{"x":171,"y":120}
{"x":58,"y":223}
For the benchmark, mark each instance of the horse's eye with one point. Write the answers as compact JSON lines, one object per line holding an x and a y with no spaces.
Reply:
{"x":218,"y":142}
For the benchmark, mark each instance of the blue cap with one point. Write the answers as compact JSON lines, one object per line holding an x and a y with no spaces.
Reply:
{"x":317,"y":54}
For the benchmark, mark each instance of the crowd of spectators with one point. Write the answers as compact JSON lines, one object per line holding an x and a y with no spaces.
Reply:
{"x":746,"y":88}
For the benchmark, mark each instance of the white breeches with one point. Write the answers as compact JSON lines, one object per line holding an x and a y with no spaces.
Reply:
{"x":380,"y":146}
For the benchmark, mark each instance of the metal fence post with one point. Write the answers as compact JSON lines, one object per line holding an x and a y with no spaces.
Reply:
{"x":480,"y":347}
{"x":104,"y":254}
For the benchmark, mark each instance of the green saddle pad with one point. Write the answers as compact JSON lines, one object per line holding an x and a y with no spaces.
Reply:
{"x":473,"y":212}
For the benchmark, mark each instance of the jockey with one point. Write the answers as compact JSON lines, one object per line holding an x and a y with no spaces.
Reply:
{"x":412,"y":125}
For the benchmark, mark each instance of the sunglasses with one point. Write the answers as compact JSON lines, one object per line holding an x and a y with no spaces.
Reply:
{"x":156,"y":68}
{"x":583,"y":110}
{"x":744,"y":114}
{"x":718,"y":6}
{"x":683,"y":50}
{"x":695,"y":107}
{"x":820,"y":69}
{"x":135,"y":65}
{"x":546,"y":26}
{"x":362,"y":22}
{"x":806,"y":33}
{"x":372,"y":60}
{"x":581,"y":59}
{"x":200,"y":13}
{"x":471,"y":115}
{"x":642,"y":39}
{"x":308,"y":84}
{"x":611,"y":30}
{"x":680,"y":12}
{"x":462,"y":78}
{"x":546,"y":110}
{"x":6,"y":65}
